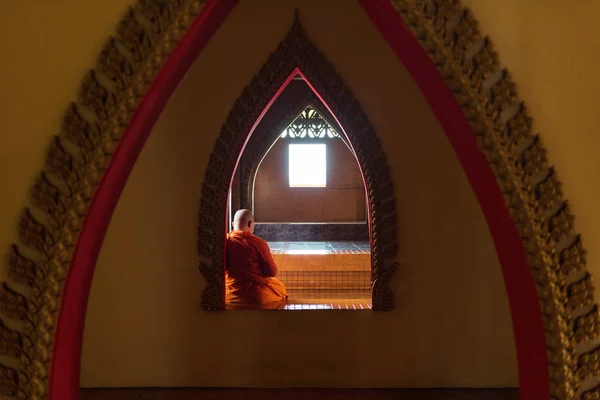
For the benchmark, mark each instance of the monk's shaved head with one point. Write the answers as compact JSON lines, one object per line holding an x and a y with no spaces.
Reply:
{"x":243,"y":220}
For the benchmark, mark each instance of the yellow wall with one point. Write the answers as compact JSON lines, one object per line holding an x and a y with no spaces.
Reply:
{"x":451,"y":326}
{"x":550,"y":47}
{"x":45,"y":49}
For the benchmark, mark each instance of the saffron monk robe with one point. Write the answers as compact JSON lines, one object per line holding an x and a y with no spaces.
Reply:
{"x":250,"y":273}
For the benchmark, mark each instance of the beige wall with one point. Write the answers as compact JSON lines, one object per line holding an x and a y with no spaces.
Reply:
{"x":551,"y":49}
{"x":45,"y":49}
{"x":451,"y":326}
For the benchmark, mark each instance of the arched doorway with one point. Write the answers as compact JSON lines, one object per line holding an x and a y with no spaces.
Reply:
{"x":302,"y":181}
{"x":93,"y":183}
{"x":296,"y":55}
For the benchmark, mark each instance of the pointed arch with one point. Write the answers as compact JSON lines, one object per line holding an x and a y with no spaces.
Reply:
{"x":261,"y":141}
{"x":296,"y":54}
{"x":440,"y":44}
{"x":258,"y":144}
{"x":260,"y":152}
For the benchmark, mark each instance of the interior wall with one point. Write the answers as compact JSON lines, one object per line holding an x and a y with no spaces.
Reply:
{"x":47,"y":47}
{"x":548,"y":47}
{"x":342,"y":200}
{"x":451,"y":326}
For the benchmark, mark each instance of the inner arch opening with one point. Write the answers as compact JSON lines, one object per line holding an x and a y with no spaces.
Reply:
{"x":300,"y":177}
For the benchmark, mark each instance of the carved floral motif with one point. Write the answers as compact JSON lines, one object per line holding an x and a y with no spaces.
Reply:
{"x":74,"y":166}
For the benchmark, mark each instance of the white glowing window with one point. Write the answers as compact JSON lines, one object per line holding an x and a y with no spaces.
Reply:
{"x":308,"y":165}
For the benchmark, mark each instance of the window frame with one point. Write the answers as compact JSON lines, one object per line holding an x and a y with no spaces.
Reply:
{"x":307,"y":141}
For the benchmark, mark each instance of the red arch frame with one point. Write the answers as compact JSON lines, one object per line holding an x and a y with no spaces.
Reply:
{"x":528,"y":325}
{"x":524,"y":305}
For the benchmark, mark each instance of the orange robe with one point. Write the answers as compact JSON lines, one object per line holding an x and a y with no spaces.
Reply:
{"x":251,"y":270}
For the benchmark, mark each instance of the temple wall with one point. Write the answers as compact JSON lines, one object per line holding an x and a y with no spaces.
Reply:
{"x":451,"y":326}
{"x":144,"y":326}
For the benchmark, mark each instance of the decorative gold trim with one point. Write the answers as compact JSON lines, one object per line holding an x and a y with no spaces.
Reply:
{"x":470,"y":67}
{"x":76,"y":160}
{"x":129,"y":62}
{"x":296,"y":50}
{"x":11,"y":341}
{"x":9,"y":382}
{"x":587,"y":325}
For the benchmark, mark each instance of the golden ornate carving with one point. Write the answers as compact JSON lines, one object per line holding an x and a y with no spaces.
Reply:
{"x":580,"y":293}
{"x":587,"y":325}
{"x":23,"y":270}
{"x":34,"y":234}
{"x":115,"y":65}
{"x":134,"y":37}
{"x":96,"y":97}
{"x":516,"y":129}
{"x":61,"y":163}
{"x":533,"y":160}
{"x":46,"y":196}
{"x":571,"y":260}
{"x":11,"y":341}
{"x":530,"y":186}
{"x":85,"y":135}
{"x":502,"y":94}
{"x":485,"y":62}
{"x":464,"y":36}
{"x":296,"y":50}
{"x":74,"y":166}
{"x":9,"y":382}
{"x":589,"y":364}
{"x":548,"y":192}
{"x":560,"y":225}
{"x":154,"y":12}
{"x":591,"y":394}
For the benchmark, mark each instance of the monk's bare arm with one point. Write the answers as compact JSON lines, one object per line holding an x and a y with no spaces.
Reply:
{"x":269,"y":267}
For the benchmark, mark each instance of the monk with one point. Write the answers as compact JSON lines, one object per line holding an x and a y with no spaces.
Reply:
{"x":250,"y":273}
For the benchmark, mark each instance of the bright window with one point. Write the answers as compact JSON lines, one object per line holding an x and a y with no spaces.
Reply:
{"x":308,"y":165}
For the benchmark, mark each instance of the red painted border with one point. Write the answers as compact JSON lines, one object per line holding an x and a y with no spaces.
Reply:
{"x":527,"y":322}
{"x":362,"y":174}
{"x":524,"y":304}
{"x":66,"y":353}
{"x":239,"y":157}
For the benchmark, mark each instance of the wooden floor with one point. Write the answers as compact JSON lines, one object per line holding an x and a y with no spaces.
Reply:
{"x":299,"y":394}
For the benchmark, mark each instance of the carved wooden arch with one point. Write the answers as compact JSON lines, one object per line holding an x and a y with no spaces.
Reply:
{"x":257,"y":147}
{"x":60,"y":233}
{"x":297,"y":54}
